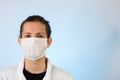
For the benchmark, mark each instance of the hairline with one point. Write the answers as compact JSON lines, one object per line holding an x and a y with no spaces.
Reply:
{"x":22,"y":27}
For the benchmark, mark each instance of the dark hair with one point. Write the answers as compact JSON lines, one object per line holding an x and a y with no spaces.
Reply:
{"x":36,"y":18}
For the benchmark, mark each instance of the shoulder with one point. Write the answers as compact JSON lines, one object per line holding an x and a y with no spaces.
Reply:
{"x":8,"y":73}
{"x":58,"y":72}
{"x":10,"y":69}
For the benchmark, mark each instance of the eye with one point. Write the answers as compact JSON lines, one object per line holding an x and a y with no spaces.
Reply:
{"x":40,"y":36}
{"x":27,"y":36}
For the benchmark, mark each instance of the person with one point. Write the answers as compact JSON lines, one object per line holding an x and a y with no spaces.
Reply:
{"x":34,"y":39}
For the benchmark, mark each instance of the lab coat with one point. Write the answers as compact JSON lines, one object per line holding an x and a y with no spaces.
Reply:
{"x":16,"y":73}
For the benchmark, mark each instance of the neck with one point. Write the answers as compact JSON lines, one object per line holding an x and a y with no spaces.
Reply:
{"x":35,"y":66}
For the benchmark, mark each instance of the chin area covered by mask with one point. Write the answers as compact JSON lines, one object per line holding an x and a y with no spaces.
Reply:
{"x":34,"y":48}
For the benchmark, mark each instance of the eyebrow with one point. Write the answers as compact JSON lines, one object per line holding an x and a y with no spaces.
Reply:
{"x":30,"y":33}
{"x":26,"y":33}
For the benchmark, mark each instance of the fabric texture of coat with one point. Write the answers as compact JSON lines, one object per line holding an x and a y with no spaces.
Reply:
{"x":16,"y":73}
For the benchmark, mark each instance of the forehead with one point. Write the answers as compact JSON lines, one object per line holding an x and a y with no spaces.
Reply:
{"x":34,"y":27}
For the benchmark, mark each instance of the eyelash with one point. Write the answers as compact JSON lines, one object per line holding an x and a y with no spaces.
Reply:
{"x":27,"y":36}
{"x":39,"y":36}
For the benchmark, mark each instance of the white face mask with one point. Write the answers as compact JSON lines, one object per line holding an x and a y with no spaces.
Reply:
{"x":34,"y":48}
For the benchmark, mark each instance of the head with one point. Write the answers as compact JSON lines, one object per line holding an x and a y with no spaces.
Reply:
{"x":35,"y":26}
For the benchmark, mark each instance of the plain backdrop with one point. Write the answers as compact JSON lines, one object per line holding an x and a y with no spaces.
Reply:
{"x":86,"y":35}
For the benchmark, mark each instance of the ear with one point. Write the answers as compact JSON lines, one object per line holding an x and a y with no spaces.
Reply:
{"x":19,"y":41}
{"x":49,"y":41}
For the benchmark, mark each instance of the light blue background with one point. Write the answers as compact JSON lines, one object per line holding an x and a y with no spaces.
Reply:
{"x":86,"y":35}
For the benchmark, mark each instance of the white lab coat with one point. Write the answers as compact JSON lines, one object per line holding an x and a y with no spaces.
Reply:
{"x":16,"y":73}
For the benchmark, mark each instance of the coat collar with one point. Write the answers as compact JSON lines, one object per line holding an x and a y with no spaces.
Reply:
{"x":48,"y":75}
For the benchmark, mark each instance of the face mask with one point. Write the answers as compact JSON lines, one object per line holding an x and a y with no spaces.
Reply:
{"x":34,"y":48}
